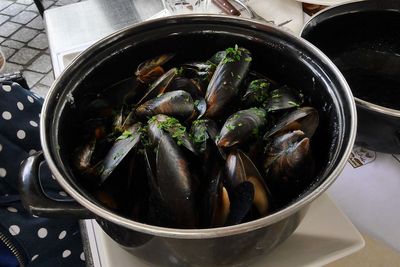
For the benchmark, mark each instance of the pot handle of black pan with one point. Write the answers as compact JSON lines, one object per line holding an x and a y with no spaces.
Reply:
{"x":37,"y":202}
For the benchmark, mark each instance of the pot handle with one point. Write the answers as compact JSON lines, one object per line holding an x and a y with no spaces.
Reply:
{"x":35,"y":200}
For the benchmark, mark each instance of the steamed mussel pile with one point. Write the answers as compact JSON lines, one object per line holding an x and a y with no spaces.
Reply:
{"x":196,"y":145}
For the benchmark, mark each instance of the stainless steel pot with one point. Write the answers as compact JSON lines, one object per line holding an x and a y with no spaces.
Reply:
{"x":282,"y":56}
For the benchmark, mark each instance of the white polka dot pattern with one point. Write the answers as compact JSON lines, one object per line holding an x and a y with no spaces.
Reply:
{"x":6,"y":115}
{"x":66,"y":253}
{"x":21,"y":134}
{"x":14,"y":230}
{"x":12,"y":209}
{"x":7,"y":88}
{"x":3,"y":172}
{"x":42,"y":233}
{"x":20,"y":106}
{"x":62,"y":235}
{"x":45,"y":242}
{"x":33,"y":123}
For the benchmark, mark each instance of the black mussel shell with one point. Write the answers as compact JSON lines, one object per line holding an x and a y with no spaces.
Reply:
{"x":120,"y":149}
{"x":160,"y":85}
{"x":178,"y":104}
{"x":227,"y":78}
{"x":176,"y":184}
{"x":161,"y":125}
{"x":283,"y":98}
{"x":242,"y":126}
{"x":149,"y":70}
{"x":305,"y":119}
{"x":241,"y":201}
{"x":240,"y":168}
{"x":257,"y":92}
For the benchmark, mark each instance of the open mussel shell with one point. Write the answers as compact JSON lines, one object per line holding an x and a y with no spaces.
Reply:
{"x":305,"y":119}
{"x":149,"y":70}
{"x":242,"y":126}
{"x":225,"y":83}
{"x":240,"y":168}
{"x":241,"y":201}
{"x":216,"y":204}
{"x":283,"y":98}
{"x":288,"y":158}
{"x":159,"y":86}
{"x":122,"y":146}
{"x":178,"y":104}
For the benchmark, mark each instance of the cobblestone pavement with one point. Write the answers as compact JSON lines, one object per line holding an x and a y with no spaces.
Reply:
{"x":24,"y":42}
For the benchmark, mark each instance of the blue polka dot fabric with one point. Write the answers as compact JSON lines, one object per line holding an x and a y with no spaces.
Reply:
{"x":41,"y":242}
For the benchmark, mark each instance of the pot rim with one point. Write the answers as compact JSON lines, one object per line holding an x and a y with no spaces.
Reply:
{"x":211,"y":232}
{"x":355,"y":3}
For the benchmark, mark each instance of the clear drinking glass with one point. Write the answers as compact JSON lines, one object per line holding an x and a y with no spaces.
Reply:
{"x":176,"y":7}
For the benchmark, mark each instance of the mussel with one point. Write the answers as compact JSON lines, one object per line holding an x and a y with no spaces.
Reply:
{"x":159,"y":86}
{"x":149,"y":70}
{"x":241,"y":169}
{"x":177,"y":104}
{"x":257,"y":92}
{"x":161,"y":124}
{"x":123,"y":145}
{"x":283,"y":98}
{"x":304,"y":118}
{"x":173,"y":186}
{"x":206,"y":143}
{"x":288,"y":158}
{"x":241,"y":126}
{"x":227,"y":78}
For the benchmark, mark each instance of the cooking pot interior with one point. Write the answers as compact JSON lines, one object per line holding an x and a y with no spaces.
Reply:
{"x":363,"y":40}
{"x":279,"y":57}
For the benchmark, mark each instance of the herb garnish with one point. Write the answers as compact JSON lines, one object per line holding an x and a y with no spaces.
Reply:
{"x":232,"y":54}
{"x":173,"y":127}
{"x":124,"y":135}
{"x":294,"y":104}
{"x":259,"y":112}
{"x":230,"y":127}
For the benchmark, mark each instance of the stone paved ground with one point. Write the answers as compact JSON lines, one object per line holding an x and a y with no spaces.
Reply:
{"x":24,"y":42}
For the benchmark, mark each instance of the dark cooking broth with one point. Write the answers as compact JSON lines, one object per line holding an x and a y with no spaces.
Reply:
{"x":365,"y":46}
{"x":380,"y":89}
{"x":372,"y":69}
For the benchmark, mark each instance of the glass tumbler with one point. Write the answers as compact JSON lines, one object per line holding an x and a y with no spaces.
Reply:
{"x":176,"y":7}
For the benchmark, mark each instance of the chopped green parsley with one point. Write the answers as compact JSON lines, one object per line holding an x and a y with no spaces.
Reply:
{"x":124,"y":135}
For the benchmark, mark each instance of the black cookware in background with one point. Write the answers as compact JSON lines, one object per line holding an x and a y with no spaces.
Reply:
{"x":363,"y":41}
